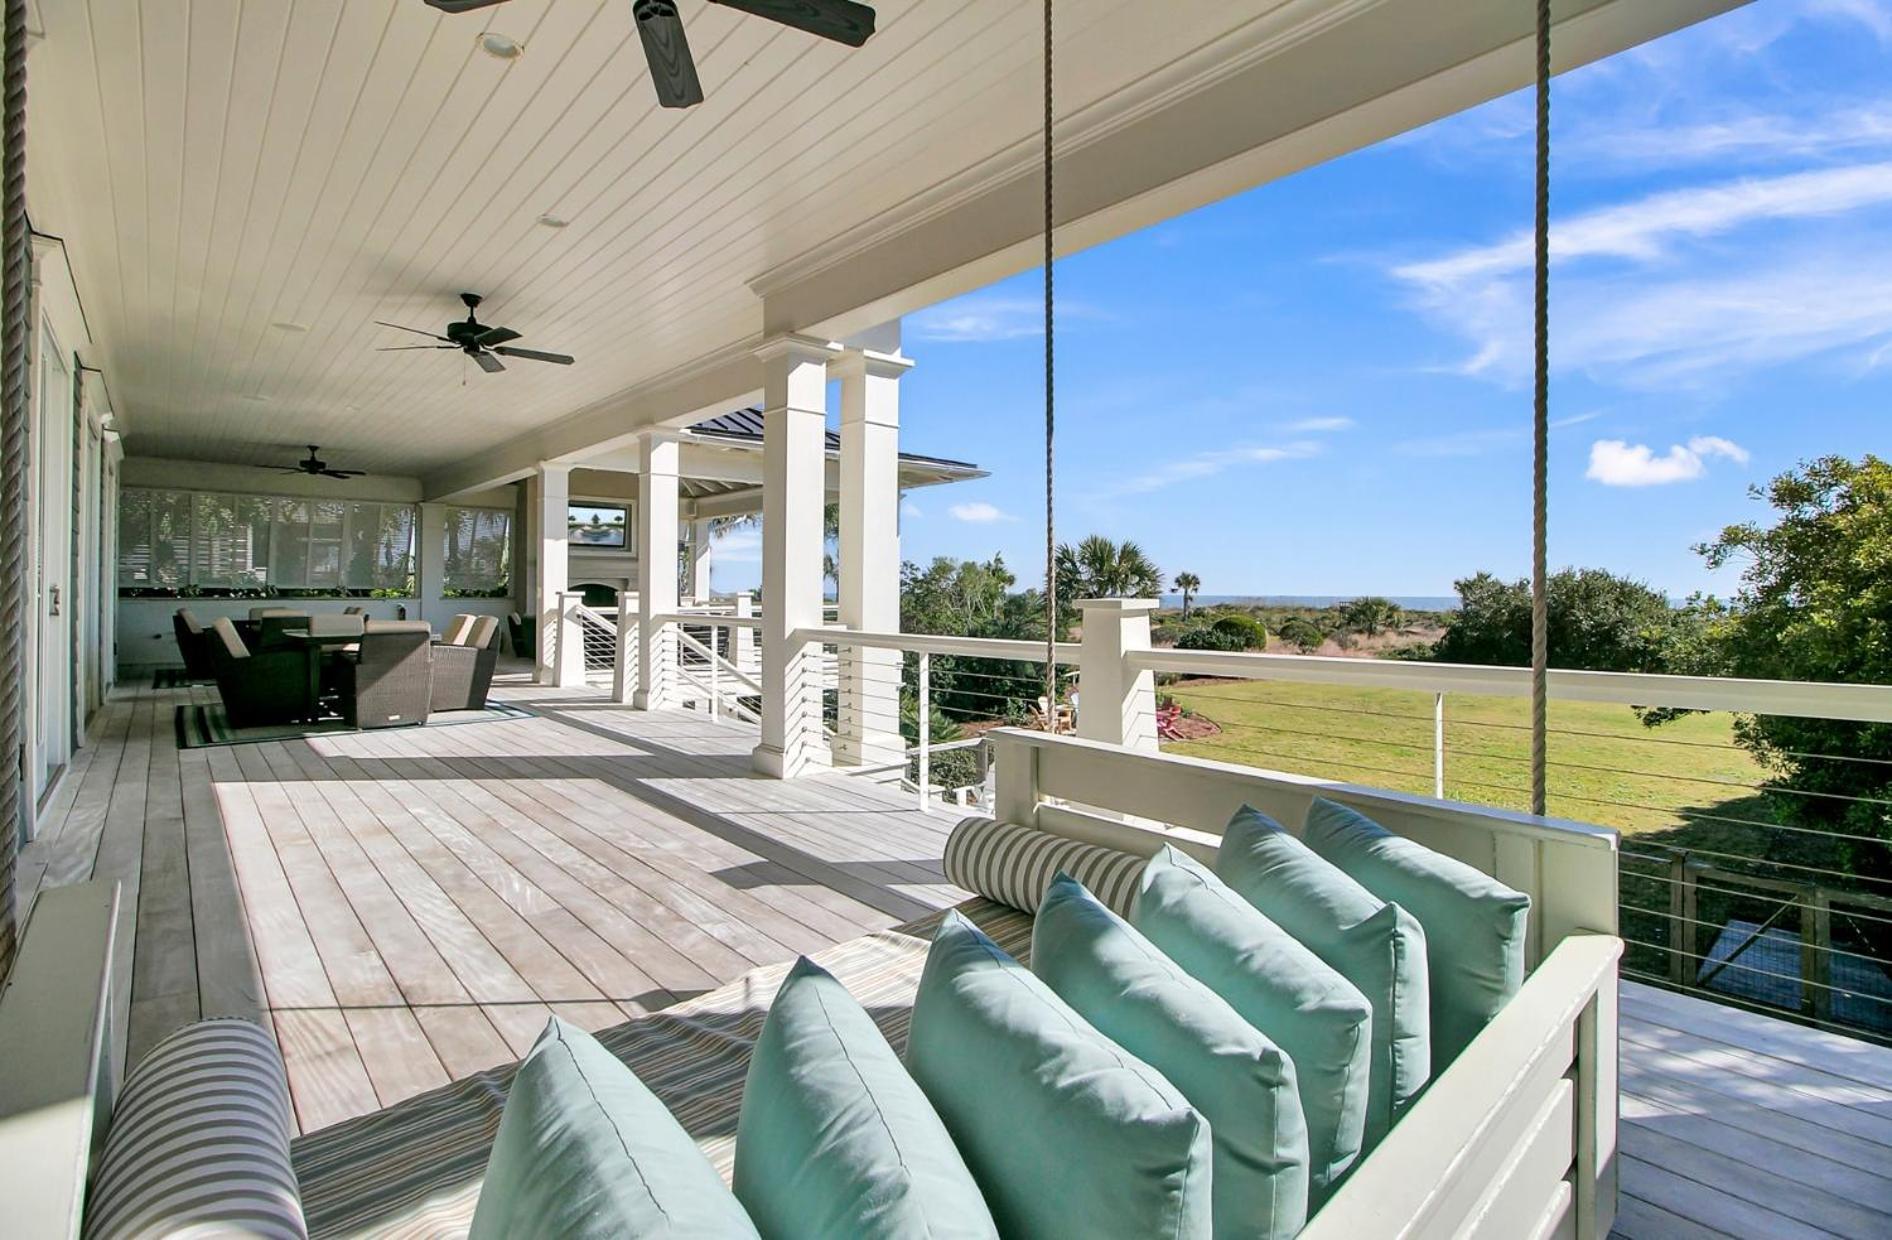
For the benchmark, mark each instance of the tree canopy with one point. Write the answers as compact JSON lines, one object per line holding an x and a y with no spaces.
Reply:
{"x":1599,"y":622}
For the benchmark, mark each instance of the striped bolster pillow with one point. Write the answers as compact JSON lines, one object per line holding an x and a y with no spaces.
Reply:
{"x":199,"y":1141}
{"x":1014,"y":865}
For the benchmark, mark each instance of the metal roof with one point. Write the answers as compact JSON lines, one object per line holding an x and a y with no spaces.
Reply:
{"x":745,"y":425}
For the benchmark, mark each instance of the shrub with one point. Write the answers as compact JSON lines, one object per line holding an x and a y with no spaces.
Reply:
{"x":1211,"y":638}
{"x":1247,"y":629}
{"x":1301,"y":633}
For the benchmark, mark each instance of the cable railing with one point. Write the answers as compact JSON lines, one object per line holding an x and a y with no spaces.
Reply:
{"x":1736,"y":884}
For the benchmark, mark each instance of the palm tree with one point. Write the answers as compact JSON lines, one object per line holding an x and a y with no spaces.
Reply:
{"x":1369,"y":615}
{"x":1186,"y":585}
{"x":1100,"y":568}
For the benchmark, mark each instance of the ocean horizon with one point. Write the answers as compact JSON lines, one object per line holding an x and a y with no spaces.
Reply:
{"x":1411,"y":602}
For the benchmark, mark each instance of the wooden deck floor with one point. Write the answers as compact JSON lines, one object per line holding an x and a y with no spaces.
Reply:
{"x":406,"y":907}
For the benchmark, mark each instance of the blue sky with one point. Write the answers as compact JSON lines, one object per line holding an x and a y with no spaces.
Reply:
{"x":1321,"y":386}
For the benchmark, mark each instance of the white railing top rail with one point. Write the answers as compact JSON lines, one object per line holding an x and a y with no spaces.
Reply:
{"x":1862,"y":703}
{"x":709,"y":619}
{"x":1805,"y":699}
{"x":924,"y":643}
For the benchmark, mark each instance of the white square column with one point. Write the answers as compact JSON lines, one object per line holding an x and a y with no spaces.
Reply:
{"x":702,"y":534}
{"x":1116,"y":702}
{"x":794,"y":485}
{"x":559,"y":662}
{"x":869,"y":709}
{"x":657,"y":562}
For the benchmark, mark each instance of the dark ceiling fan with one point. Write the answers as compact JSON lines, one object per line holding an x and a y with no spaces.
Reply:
{"x":660,"y":26}
{"x":475,"y":339}
{"x":316,"y":467}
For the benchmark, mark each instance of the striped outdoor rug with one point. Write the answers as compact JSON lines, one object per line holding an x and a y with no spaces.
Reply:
{"x":202,"y":724}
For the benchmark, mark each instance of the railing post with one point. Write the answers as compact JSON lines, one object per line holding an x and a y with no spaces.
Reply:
{"x":569,"y":641}
{"x":926,"y":731}
{"x":659,"y":454}
{"x":742,"y":637}
{"x":715,"y":675}
{"x":624,"y":659}
{"x":1438,"y":745}
{"x":1117,"y":703}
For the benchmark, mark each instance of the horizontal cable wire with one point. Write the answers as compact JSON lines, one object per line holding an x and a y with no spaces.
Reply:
{"x":1659,"y":982}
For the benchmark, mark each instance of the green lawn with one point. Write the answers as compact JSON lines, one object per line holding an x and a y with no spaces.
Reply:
{"x":1605,"y":766}
{"x":1684,"y":785}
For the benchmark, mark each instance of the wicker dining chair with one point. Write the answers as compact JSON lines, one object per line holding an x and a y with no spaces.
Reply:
{"x":263,"y":686}
{"x":193,"y":642}
{"x":463,"y":671}
{"x":388,"y":681}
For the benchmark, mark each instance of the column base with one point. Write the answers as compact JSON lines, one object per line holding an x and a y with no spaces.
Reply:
{"x":776,"y":763}
{"x":883,"y":753}
{"x":644,"y":700}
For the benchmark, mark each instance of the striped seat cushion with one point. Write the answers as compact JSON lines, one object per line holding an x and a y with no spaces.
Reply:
{"x":199,"y":1141}
{"x":1015,"y":865}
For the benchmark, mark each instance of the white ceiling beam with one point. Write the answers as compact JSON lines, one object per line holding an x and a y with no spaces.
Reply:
{"x":1213,"y":124}
{"x":726,"y":380}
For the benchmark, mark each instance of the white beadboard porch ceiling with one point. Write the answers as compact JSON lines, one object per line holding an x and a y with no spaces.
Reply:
{"x":223,"y":168}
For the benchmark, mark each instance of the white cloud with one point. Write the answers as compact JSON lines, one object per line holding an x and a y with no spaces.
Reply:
{"x":1208,"y":464}
{"x":1639,"y":230}
{"x":1644,"y":297}
{"x":1615,"y":463}
{"x":978,"y":512}
{"x":1316,"y":426}
{"x":1871,"y":14}
{"x":984,"y":317}
{"x":738,"y":546}
{"x":910,"y":509}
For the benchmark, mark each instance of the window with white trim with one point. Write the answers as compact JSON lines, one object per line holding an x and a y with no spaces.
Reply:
{"x":202,"y":542}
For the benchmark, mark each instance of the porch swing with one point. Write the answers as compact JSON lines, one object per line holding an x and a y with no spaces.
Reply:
{"x":1514,"y":1138}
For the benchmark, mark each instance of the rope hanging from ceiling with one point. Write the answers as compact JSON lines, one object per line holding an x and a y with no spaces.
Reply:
{"x":1051,"y":567}
{"x":14,"y":321}
{"x":1540,"y":432}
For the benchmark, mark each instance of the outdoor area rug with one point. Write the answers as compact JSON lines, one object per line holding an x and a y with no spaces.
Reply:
{"x":199,"y":725}
{"x":171,"y":678}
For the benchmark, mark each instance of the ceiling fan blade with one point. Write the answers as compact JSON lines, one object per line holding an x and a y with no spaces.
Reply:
{"x":463,"y":6}
{"x":402,"y":348}
{"x":563,"y":359}
{"x":490,"y":364}
{"x":495,"y":335}
{"x":840,"y":20}
{"x":672,"y":70}
{"x":417,"y":331}
{"x":343,"y":474}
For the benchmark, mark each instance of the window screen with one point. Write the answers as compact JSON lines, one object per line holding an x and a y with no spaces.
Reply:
{"x":189,"y":541}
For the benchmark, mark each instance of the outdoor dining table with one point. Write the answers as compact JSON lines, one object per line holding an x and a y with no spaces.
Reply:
{"x":317,"y":647}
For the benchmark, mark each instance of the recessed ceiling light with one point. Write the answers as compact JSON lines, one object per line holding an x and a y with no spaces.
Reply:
{"x":500,"y":46}
{"x":553,"y":221}
{"x":290,"y":327}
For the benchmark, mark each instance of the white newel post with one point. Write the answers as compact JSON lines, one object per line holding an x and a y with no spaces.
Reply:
{"x":1115,"y":702}
{"x":869,"y":707}
{"x":742,"y":637}
{"x":657,"y":562}
{"x":561,"y":662}
{"x":794,"y":459}
{"x":624,"y":657}
{"x":702,"y":534}
{"x":569,"y":658}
